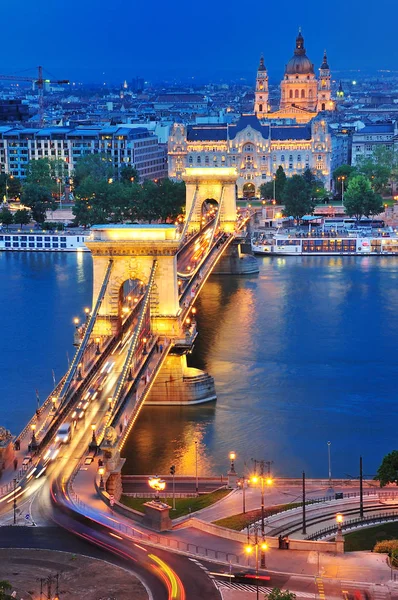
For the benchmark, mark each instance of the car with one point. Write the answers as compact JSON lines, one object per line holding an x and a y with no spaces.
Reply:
{"x":64,"y":433}
{"x":251,"y":577}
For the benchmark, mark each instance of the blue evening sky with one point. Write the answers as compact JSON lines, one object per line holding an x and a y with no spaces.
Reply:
{"x":82,"y":39}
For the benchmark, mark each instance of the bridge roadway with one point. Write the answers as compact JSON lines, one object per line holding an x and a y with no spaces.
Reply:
{"x":89,"y":393}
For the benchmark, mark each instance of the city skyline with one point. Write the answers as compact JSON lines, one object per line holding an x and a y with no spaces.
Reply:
{"x":191,"y":43}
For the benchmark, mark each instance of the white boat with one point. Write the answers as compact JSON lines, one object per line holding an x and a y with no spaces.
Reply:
{"x":43,"y":242}
{"x":327,"y":245}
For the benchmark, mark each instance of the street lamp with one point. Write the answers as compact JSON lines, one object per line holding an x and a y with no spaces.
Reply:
{"x":144,"y":350}
{"x":232,"y":456}
{"x":330,"y":465}
{"x":255,"y":479}
{"x":339,"y":520}
{"x":196,"y":468}
{"x":342,"y":179}
{"x":158,"y":485}
{"x":87,"y":313}
{"x":93,"y":439}
{"x":98,"y":351}
{"x":255,"y":545}
{"x":54,"y":402}
{"x":79,"y":372}
{"x":101,"y":472}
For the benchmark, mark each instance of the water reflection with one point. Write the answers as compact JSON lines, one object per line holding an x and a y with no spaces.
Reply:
{"x":302,"y":354}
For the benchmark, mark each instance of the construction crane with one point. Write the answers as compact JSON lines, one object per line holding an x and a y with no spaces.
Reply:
{"x":39,"y":81}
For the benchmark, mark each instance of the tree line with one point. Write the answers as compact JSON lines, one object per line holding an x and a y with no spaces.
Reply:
{"x":102,"y":194}
{"x":301,"y":193}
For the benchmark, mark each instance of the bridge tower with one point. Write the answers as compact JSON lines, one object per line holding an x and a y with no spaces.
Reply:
{"x":209,"y":183}
{"x":133,"y":248}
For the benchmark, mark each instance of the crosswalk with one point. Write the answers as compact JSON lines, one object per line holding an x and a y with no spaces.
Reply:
{"x":250,"y":588}
{"x":376,"y":592}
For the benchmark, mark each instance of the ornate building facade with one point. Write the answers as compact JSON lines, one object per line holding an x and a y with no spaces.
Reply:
{"x":255,"y":145}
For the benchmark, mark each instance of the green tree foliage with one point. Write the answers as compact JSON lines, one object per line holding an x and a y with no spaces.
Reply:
{"x":5,"y":587}
{"x":346,"y":171}
{"x":22,"y":217}
{"x":388,"y":470}
{"x":297,"y":197}
{"x":10,"y":186}
{"x":278,"y":594}
{"x":39,"y":199}
{"x":267,"y":189}
{"x":6,"y":217}
{"x":129,"y":175}
{"x":360,"y":199}
{"x":45,"y":173}
{"x":377,"y":172}
{"x":98,"y":167}
{"x":98,"y":201}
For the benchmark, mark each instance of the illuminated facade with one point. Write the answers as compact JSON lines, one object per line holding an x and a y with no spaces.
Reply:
{"x":255,"y":145}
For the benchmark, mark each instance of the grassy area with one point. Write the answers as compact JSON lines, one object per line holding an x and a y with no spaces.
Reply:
{"x":365,"y":539}
{"x":243,"y":520}
{"x":183,"y":505}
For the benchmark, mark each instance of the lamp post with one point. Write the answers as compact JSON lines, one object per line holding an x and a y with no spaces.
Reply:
{"x":94,"y":438}
{"x":33,"y":441}
{"x":87,"y":313}
{"x":54,"y":404}
{"x":330,"y":465}
{"x":158,"y":485}
{"x":339,"y":520}
{"x":196,"y":469}
{"x":101,"y":472}
{"x":232,"y":456}
{"x":255,"y":479}
{"x":172,"y":473}
{"x":342,"y":179}
{"x":14,"y":503}
{"x":98,"y":351}
{"x":79,"y":372}
{"x":255,"y":546}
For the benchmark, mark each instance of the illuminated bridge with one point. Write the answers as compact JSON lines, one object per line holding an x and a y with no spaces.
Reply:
{"x":132,"y":348}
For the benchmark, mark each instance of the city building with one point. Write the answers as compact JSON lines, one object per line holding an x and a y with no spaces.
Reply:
{"x":295,"y":136}
{"x":368,"y":138}
{"x":137,"y":147}
{"x":12,"y":110}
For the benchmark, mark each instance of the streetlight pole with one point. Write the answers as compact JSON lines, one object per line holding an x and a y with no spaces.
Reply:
{"x":15,"y":502}
{"x":304,"y":521}
{"x":330,"y":465}
{"x":360,"y":488}
{"x":274,"y":178}
{"x":196,"y":468}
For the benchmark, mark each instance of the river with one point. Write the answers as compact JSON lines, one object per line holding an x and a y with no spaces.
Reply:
{"x":302,"y":354}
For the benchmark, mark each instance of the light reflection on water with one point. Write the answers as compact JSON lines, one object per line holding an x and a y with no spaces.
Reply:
{"x":303,"y":353}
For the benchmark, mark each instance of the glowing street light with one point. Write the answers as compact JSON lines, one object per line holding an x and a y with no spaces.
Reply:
{"x":232,"y":457}
{"x":101,"y":472}
{"x":157,"y":484}
{"x":98,"y":351}
{"x":254,"y":546}
{"x":339,"y":520}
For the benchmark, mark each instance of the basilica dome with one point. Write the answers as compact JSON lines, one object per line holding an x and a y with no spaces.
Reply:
{"x":299,"y":64}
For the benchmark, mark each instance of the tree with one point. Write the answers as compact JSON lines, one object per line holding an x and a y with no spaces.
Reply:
{"x":129,"y":174}
{"x":267,"y":189}
{"x":278,"y":594}
{"x":10,"y":186}
{"x":45,"y":173}
{"x":297,"y":197}
{"x":22,"y":217}
{"x":6,"y":217}
{"x":388,"y":470}
{"x":39,"y":199}
{"x":5,"y":587}
{"x":96,"y":166}
{"x":360,"y":199}
{"x":346,"y":171}
{"x":377,"y":172}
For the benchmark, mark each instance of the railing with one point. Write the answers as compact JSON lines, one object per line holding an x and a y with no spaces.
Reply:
{"x":189,"y":217}
{"x":90,"y":325}
{"x":135,"y":338}
{"x":353,"y":524}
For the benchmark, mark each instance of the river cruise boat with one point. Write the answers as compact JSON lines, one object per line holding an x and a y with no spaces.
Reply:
{"x":43,"y":241}
{"x":358,"y":244}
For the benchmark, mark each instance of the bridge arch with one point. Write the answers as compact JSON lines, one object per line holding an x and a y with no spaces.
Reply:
{"x":219,"y":184}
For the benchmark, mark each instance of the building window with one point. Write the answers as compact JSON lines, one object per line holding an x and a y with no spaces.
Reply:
{"x":303,"y":93}
{"x":198,"y":160}
{"x":291,"y":158}
{"x":260,"y":107}
{"x":296,"y":93}
{"x":368,"y":147}
{"x":323,"y":106}
{"x":291,"y":94}
{"x":310,"y":94}
{"x":206,"y":160}
{"x":282,"y":158}
{"x":298,"y":157}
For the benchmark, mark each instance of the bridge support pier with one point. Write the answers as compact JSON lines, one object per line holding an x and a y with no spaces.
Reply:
{"x":234,"y":262}
{"x":179,"y":384}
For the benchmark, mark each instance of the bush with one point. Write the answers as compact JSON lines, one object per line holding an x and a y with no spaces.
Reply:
{"x":386,"y":546}
{"x":52,"y":226}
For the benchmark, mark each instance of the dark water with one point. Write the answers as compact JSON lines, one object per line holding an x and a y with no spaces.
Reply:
{"x":303,"y":353}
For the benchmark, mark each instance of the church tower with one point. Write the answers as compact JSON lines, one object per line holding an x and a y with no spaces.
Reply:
{"x":325,"y":101}
{"x":299,"y":85}
{"x":261,"y":96}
